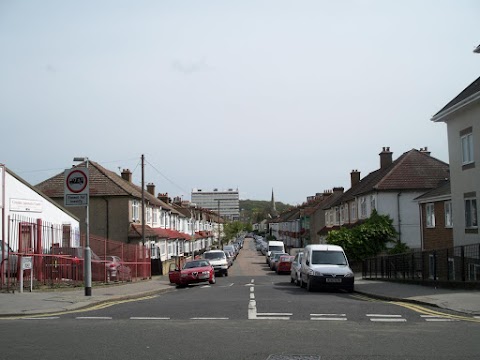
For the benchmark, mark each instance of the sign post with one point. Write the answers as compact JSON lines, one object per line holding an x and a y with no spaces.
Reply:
{"x":77,"y":194}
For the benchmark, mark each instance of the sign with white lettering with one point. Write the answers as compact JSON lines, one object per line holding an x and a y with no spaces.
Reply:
{"x":25,"y":205}
{"x":76,"y":189}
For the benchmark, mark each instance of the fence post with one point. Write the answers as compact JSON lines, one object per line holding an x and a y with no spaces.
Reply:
{"x":462,"y":252}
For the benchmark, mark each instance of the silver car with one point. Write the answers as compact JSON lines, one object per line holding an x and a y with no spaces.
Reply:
{"x":295,"y":269}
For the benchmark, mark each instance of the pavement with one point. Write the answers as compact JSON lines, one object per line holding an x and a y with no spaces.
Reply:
{"x":49,"y":302}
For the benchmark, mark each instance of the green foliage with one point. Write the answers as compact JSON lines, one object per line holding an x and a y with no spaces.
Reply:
{"x":399,"y":248}
{"x":254,"y":211}
{"x":367,"y":239}
{"x":232,"y":229}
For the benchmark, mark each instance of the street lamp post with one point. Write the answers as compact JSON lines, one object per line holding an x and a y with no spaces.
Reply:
{"x":88,"y":253}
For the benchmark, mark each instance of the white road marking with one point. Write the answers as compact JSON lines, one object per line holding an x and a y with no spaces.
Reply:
{"x":436,"y":318}
{"x":386,"y":318}
{"x":328,"y":317}
{"x":94,"y":318}
{"x":149,"y":318}
{"x":209,"y":318}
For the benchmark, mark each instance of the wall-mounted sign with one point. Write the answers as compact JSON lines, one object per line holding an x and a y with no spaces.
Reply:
{"x":25,"y":205}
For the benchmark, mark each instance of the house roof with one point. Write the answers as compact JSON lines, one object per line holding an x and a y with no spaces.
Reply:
{"x":469,"y":94}
{"x":443,"y":190}
{"x":102,"y":182}
{"x":413,"y":170}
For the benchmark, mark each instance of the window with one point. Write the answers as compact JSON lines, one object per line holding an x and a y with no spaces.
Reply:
{"x":448,"y":214}
{"x":342,"y":214}
{"x":372,"y":203}
{"x":149,"y":215}
{"x":451,"y":268}
{"x":430,"y":215}
{"x":363,"y":208}
{"x":432,"y":271}
{"x":467,"y":148}
{"x":155,"y":216}
{"x":473,"y":272}
{"x":353,"y":211}
{"x":135,"y":210}
{"x":337,"y":215}
{"x":471,"y":213}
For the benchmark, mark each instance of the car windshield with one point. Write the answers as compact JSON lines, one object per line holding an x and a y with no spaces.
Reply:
{"x":328,"y":257}
{"x":275,"y":248}
{"x":194,"y":264}
{"x":214,"y":255}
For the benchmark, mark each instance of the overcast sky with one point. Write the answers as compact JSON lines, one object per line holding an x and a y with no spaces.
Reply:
{"x":255,"y":95}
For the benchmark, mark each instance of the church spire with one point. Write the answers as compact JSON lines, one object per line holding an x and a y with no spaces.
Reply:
{"x":273,"y":207}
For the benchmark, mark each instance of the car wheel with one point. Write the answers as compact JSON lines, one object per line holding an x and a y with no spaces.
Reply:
{"x":213,"y":280}
{"x":226,"y":273}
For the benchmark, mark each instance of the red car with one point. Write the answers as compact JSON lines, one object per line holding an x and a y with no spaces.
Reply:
{"x":284,"y":264}
{"x":193,"y":272}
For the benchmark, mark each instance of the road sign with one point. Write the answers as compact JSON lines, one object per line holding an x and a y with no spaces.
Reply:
{"x":76,"y":189}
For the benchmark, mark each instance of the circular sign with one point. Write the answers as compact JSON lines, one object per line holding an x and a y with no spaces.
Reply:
{"x":77,"y":181}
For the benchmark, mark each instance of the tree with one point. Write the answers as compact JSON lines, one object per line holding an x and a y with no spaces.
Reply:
{"x":367,"y":239}
{"x":233,"y":229}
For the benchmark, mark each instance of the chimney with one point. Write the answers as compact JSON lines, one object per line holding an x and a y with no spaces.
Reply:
{"x":425,"y":151}
{"x":354,"y":177}
{"x":151,"y":189}
{"x":163,"y":197}
{"x":338,"y":190}
{"x":127,"y":175}
{"x":385,"y":157}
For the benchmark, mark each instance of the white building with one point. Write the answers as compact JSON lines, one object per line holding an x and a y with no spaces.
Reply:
{"x":225,"y":202}
{"x":31,"y":220}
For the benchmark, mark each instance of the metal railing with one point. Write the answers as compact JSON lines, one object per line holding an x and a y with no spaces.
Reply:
{"x":56,"y":255}
{"x":456,"y":265}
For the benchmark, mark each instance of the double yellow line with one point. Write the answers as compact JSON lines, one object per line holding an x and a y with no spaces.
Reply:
{"x":420,"y":309}
{"x":90,"y":308}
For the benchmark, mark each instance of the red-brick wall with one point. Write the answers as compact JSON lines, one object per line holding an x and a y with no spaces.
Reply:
{"x":438,"y":237}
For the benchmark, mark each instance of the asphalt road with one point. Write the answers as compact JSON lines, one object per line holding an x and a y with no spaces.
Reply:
{"x":251,"y":314}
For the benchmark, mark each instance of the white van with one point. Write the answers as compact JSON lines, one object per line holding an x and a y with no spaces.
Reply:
{"x":325,"y":266}
{"x":276,"y":246}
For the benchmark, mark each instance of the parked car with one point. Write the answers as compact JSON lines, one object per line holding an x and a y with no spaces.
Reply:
{"x":295,"y":268}
{"x":230,"y":257}
{"x":218,"y":260}
{"x":271,"y":255}
{"x":274,"y":257}
{"x":326,"y":266}
{"x":193,"y":272}
{"x":9,"y":259}
{"x":274,"y":245}
{"x":116,"y":270}
{"x":232,"y":249}
{"x":284,"y":264}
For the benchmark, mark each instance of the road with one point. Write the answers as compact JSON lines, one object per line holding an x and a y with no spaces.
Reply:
{"x":251,"y":314}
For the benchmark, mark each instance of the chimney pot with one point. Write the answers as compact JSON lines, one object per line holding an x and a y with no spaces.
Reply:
{"x":385,"y":157}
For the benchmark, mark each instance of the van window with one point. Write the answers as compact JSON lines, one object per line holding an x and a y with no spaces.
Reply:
{"x":328,"y":257}
{"x":275,"y":248}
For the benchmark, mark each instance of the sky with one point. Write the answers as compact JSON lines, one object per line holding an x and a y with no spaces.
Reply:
{"x":254,"y":95}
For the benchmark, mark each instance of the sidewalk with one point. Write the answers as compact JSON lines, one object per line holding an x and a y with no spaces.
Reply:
{"x":50,"y":302}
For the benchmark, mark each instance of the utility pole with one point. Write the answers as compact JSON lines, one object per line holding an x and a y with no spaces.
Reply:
{"x":143,"y":202}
